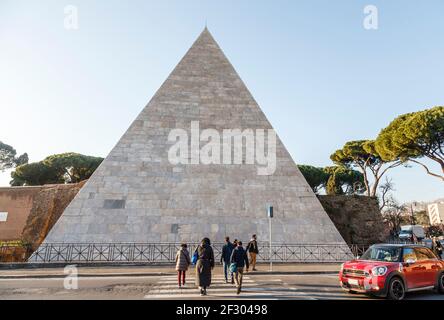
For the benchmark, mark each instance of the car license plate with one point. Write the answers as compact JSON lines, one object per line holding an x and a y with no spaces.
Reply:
{"x":353,"y":282}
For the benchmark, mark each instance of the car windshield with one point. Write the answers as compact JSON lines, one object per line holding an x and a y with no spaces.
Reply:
{"x":405,"y":231}
{"x":388,"y":254}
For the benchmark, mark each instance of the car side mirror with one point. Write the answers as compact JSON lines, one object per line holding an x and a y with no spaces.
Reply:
{"x":410,"y":261}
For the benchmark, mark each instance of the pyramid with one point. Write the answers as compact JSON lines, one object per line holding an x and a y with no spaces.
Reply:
{"x":138,"y":196}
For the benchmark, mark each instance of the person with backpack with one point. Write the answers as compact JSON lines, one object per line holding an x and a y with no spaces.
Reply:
{"x":239,"y":260}
{"x":204,"y":265}
{"x":253,"y":249}
{"x":182,"y":263}
{"x":227,"y":249}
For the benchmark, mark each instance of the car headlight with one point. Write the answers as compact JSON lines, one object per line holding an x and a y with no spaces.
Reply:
{"x":379,"y":271}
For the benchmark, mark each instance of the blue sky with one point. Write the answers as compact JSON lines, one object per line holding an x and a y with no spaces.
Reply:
{"x":318,"y":75}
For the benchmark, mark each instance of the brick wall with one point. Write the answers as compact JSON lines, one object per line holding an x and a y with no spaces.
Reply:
{"x":47,"y":208}
{"x":17,"y":202}
{"x":32,"y":211}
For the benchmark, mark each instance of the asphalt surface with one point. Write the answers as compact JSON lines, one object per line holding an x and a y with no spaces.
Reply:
{"x":256,"y":286}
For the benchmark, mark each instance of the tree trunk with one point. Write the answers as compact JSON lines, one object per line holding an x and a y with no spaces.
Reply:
{"x":375,"y":187}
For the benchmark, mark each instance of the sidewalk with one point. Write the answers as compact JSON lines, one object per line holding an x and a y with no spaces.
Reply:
{"x":144,"y":271}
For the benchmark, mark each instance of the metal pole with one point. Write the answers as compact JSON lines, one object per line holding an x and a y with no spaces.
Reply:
{"x":271,"y":262}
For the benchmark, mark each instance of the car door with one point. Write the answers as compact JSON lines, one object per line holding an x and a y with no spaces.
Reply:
{"x":432,"y":267}
{"x":413,"y":271}
{"x":426,"y":266}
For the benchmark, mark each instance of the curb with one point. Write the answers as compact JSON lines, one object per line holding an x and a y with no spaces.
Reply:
{"x":154,"y":274}
{"x":38,"y":265}
{"x":85,"y":275}
{"x":291,"y":273}
{"x":48,"y":265}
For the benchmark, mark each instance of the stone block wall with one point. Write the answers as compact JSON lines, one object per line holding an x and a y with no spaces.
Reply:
{"x":357,"y":218}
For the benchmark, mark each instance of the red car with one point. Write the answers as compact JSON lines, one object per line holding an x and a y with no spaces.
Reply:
{"x":391,"y":270}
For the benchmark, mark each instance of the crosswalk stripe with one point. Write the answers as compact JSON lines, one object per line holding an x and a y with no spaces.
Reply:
{"x":212,"y":288}
{"x":167,"y":288}
{"x":212,"y":281}
{"x":193,"y":276}
{"x":174,"y":296}
{"x":252,"y":295}
{"x":213,"y":285}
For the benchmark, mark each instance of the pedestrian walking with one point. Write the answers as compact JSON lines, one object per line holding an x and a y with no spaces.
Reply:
{"x":234,"y":247}
{"x":239,"y":260}
{"x":204,"y":265}
{"x":182,"y":263}
{"x":437,"y":247}
{"x":227,"y":249}
{"x":253,"y":249}
{"x":440,"y":248}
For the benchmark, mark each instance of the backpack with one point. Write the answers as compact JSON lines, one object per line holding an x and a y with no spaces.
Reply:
{"x":187,"y":258}
{"x":195,"y":257}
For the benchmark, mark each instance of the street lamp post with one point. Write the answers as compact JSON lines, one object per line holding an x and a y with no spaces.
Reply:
{"x":270,"y":216}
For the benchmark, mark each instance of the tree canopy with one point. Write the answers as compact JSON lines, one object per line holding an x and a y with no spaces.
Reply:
{"x":34,"y":174}
{"x":334,"y":179}
{"x":413,"y":136}
{"x":59,"y":168}
{"x":343,"y":180}
{"x":8,"y":158}
{"x":316,"y":177}
{"x":362,"y":154}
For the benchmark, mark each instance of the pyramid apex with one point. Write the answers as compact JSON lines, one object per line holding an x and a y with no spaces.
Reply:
{"x":205,"y":30}
{"x":205,"y":37}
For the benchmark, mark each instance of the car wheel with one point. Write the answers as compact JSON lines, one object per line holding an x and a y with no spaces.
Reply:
{"x":441,"y":283}
{"x":396,"y":289}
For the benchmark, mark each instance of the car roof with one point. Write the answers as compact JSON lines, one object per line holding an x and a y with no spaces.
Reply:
{"x":399,"y":245}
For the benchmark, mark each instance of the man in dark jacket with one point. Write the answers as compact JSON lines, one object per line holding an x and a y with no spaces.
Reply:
{"x":253,"y":249}
{"x":239,"y":257}
{"x":227,"y":249}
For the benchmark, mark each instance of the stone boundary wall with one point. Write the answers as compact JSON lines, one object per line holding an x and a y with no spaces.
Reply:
{"x":357,"y":218}
{"x":48,"y":206}
{"x":17,"y":202}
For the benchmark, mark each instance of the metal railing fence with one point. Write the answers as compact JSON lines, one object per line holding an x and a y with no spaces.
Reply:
{"x":155,"y":253}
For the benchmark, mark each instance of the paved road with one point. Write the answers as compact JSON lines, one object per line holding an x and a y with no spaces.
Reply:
{"x":310,"y":287}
